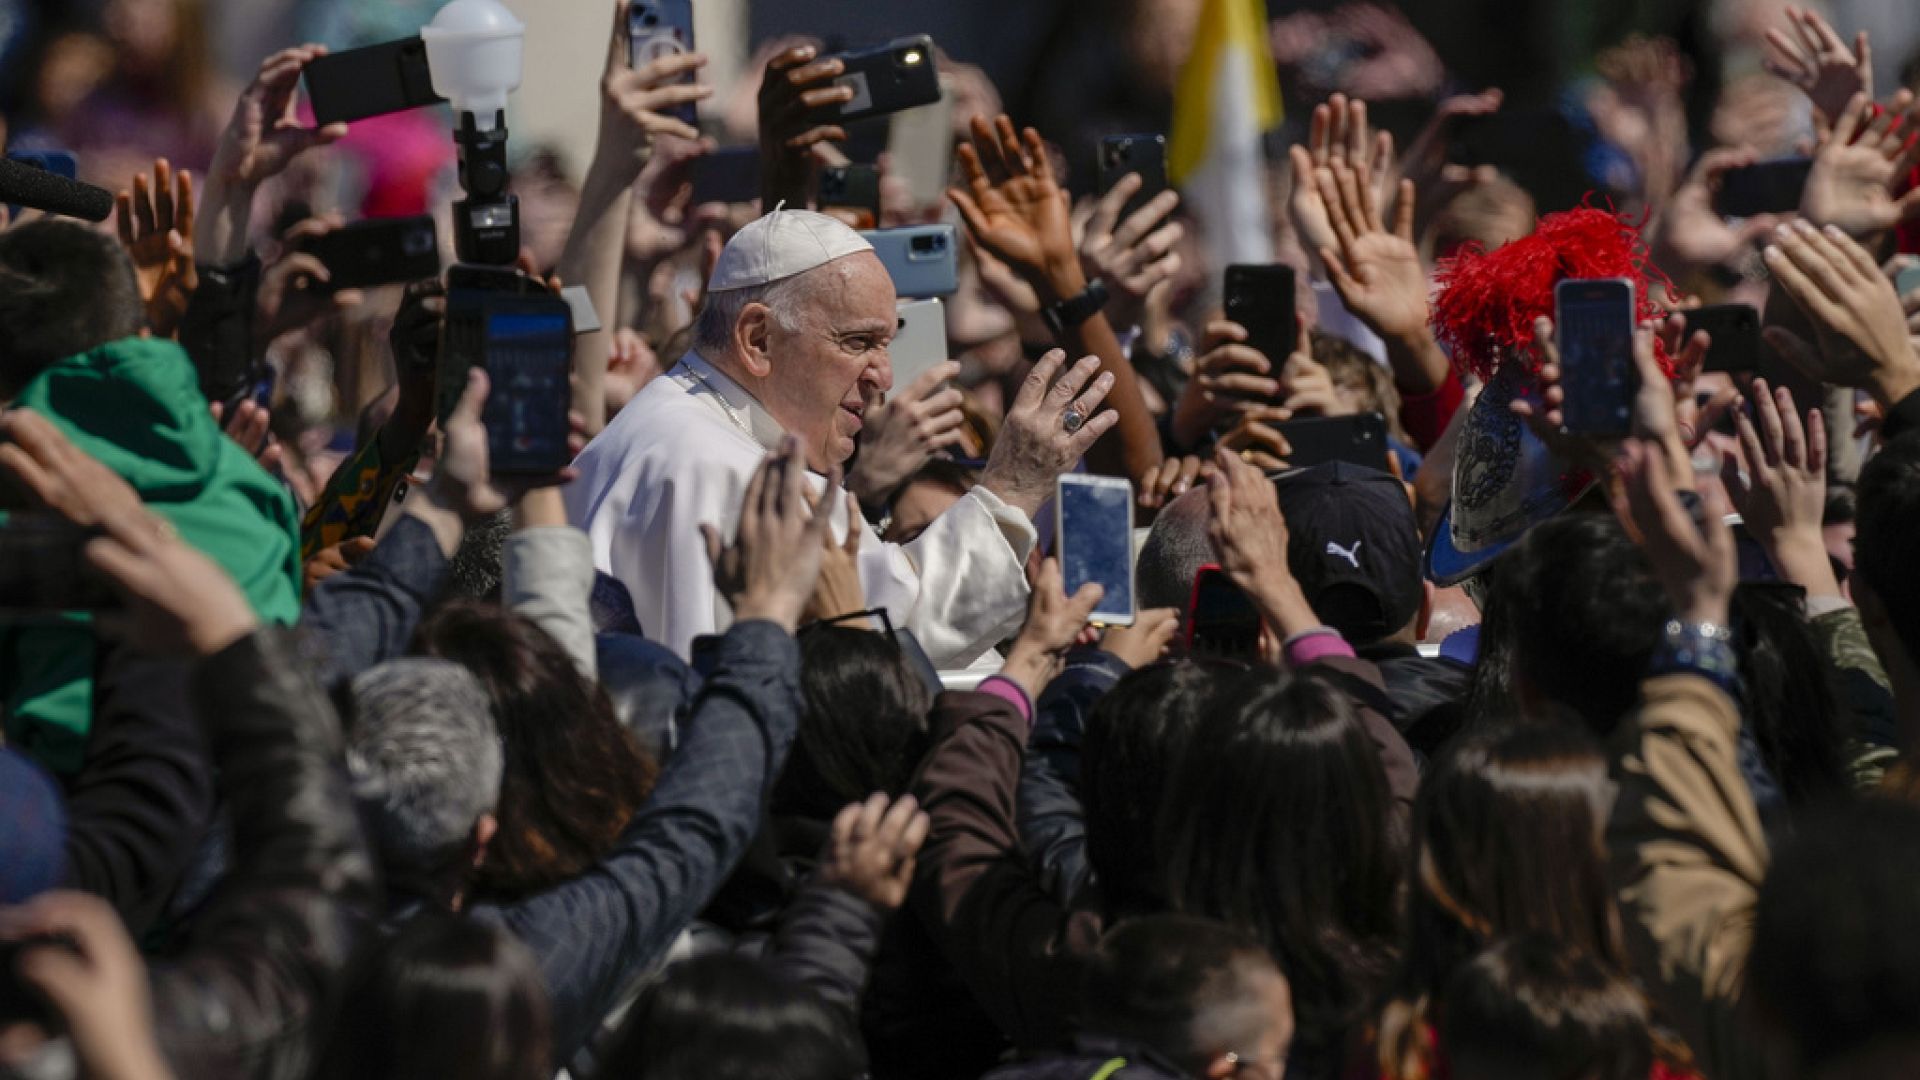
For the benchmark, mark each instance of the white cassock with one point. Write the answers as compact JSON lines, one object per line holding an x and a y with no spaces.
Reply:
{"x":681,"y":453}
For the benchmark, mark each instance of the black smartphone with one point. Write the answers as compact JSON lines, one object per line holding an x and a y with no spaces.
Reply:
{"x":44,"y":568}
{"x":1765,"y":187}
{"x":1735,"y":330}
{"x":1142,"y":154}
{"x":372,"y":81}
{"x":1360,"y":439}
{"x":1093,"y":535}
{"x":379,"y":251}
{"x":1260,"y":299}
{"x":1221,"y":618}
{"x":852,"y":187}
{"x":730,"y":175}
{"x":1593,"y":323}
{"x":888,"y":78}
{"x":657,"y":29}
{"x":528,"y":345}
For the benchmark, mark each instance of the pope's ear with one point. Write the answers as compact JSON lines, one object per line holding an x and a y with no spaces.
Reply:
{"x":753,"y":339}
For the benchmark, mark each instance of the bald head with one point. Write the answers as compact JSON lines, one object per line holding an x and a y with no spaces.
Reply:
{"x":1175,"y":549}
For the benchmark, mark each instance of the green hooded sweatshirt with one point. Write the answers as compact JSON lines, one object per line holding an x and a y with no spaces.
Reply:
{"x":135,"y":404}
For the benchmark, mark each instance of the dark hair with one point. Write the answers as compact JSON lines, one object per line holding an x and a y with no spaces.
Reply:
{"x":1134,"y":736}
{"x":444,"y":997}
{"x":1889,"y":516}
{"x":1351,"y":369}
{"x":727,"y":1015}
{"x":1534,"y":1007}
{"x":1507,"y":839}
{"x":1791,"y":699}
{"x":864,"y":728}
{"x":1574,"y":609}
{"x":64,"y":289}
{"x":574,"y":774}
{"x":1835,"y":965}
{"x":1278,"y":821}
{"x":1180,"y":986}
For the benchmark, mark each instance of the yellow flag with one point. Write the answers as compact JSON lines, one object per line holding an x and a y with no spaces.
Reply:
{"x":1227,"y":98}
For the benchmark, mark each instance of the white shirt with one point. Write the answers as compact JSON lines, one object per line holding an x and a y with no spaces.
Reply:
{"x":680,"y":454}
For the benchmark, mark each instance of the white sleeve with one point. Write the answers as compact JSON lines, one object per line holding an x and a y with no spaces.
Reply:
{"x":961,"y":585}
{"x":659,"y":554}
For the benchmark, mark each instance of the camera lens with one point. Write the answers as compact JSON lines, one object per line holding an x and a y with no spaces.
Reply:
{"x":912,"y":56}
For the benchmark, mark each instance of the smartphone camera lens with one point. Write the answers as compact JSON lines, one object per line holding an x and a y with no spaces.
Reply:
{"x":928,"y":245}
{"x":912,"y":56}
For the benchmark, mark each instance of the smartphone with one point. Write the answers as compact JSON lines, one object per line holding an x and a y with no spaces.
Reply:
{"x":1260,"y":299}
{"x":657,"y":29}
{"x":1907,"y":281}
{"x":372,"y":81}
{"x":1093,"y":535}
{"x":921,"y":258}
{"x":1221,"y":618}
{"x":1765,"y":187}
{"x":43,"y":566}
{"x":1360,"y":439}
{"x":730,"y":175}
{"x":1750,"y":556}
{"x":920,"y":148}
{"x":888,"y":78}
{"x":1735,"y":329}
{"x":852,"y":187}
{"x":527,"y":342}
{"x":1593,"y":323}
{"x":380,"y":251}
{"x":1142,"y":154}
{"x":921,"y":342}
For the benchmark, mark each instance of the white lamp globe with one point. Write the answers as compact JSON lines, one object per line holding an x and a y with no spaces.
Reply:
{"x":473,"y":56}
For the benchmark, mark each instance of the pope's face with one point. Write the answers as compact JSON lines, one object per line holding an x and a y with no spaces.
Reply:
{"x":831,"y":366}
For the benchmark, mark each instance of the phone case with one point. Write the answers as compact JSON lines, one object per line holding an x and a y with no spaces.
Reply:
{"x":372,"y":81}
{"x":731,"y":175}
{"x":1142,"y":154}
{"x":1220,"y":618}
{"x":1765,"y":187}
{"x":854,"y":187}
{"x":920,"y":343}
{"x":381,"y":251}
{"x":1735,"y":330}
{"x":1356,"y":440}
{"x":895,"y":76}
{"x":1593,"y":324}
{"x":920,"y":147}
{"x":1261,"y":300}
{"x":657,"y":29}
{"x":1085,"y":547}
{"x":528,"y":351}
{"x":920,"y":259}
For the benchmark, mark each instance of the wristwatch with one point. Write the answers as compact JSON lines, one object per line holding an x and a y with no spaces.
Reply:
{"x":1075,"y":310}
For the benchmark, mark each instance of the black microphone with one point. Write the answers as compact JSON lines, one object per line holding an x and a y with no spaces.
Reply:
{"x":37,"y":189}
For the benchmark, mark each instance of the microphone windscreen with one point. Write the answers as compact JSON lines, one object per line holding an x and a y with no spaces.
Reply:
{"x":26,"y":185}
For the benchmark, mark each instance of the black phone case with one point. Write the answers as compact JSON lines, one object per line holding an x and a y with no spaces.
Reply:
{"x":1356,"y":440}
{"x":1735,"y":330}
{"x":1600,"y":383}
{"x":730,"y":175}
{"x":381,"y":251}
{"x":1143,"y":154}
{"x":895,"y":76}
{"x":854,"y":187}
{"x":378,"y":79}
{"x":1766,"y":187}
{"x":1261,"y":300}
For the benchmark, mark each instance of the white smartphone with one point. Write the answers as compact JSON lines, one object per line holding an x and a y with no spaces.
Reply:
{"x":1093,"y":536}
{"x":920,"y":147}
{"x":920,"y":343}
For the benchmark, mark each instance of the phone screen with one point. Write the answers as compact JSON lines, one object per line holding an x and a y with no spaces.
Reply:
{"x":528,"y":357}
{"x":1096,"y":542}
{"x":1221,"y":618}
{"x":1765,"y":187}
{"x":1594,"y":325}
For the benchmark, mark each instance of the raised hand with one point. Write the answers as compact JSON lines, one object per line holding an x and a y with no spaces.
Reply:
{"x":1337,"y":132}
{"x":1858,"y":317}
{"x":1249,"y":534}
{"x":1172,"y":479}
{"x":769,"y":570}
{"x":73,"y":949}
{"x":1808,"y":54}
{"x":1375,"y":270}
{"x":1133,"y":256}
{"x":295,"y":289}
{"x":329,"y":561}
{"x":1425,"y":162}
{"x":1257,"y":441}
{"x":1229,"y":378}
{"x":839,"y":591}
{"x":1856,"y":169}
{"x":1689,"y":232}
{"x":1051,"y":425}
{"x":155,"y":225}
{"x":261,"y":139}
{"x":1692,"y":555}
{"x":1013,"y":206}
{"x":872,"y":849}
{"x":1054,"y":624}
{"x":251,"y":430}
{"x":1781,"y":492}
{"x":902,"y":434}
{"x":1146,"y":640}
{"x":795,"y":92}
{"x":635,"y":102}
{"x":463,"y":479}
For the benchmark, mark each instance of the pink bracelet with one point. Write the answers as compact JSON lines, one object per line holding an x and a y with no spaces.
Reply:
{"x":1309,"y":646}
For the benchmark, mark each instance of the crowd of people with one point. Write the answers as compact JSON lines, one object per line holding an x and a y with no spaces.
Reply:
{"x":765,"y":739}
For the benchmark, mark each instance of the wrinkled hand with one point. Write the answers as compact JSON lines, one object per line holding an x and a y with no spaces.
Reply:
{"x":1696,"y":564}
{"x":1145,"y":641}
{"x":1034,"y":446}
{"x":1174,"y":477}
{"x":1858,"y":317}
{"x":1133,"y":256}
{"x":1249,"y":534}
{"x":93,"y":975}
{"x":1338,"y":132}
{"x":265,"y":135}
{"x":155,"y":225}
{"x":1013,"y":206}
{"x":1054,"y":625}
{"x":1856,"y":169}
{"x":902,"y":434}
{"x":1690,"y":233}
{"x":769,"y":570}
{"x":1811,"y":56}
{"x":1229,"y":378}
{"x":797,"y":100}
{"x":839,"y":591}
{"x":1376,"y":272}
{"x":872,"y":850}
{"x":344,"y":555}
{"x":251,"y":430}
{"x":1782,"y":491}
